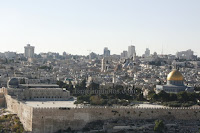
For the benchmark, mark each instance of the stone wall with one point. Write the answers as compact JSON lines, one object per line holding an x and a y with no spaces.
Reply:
{"x":46,"y":94}
{"x":23,"y":111}
{"x":2,"y":100}
{"x":50,"y":120}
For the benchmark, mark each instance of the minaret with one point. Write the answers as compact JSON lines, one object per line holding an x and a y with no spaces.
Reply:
{"x":103,"y":65}
{"x":114,"y":78}
{"x":134,"y":56}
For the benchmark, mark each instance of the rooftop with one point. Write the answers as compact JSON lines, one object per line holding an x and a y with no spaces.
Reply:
{"x":40,"y":85}
{"x":37,"y":104}
{"x":151,"y":106}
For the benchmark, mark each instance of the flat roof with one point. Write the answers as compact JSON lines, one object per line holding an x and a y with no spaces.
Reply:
{"x":42,"y":85}
{"x":146,"y":105}
{"x":41,"y":104}
{"x":47,"y":88}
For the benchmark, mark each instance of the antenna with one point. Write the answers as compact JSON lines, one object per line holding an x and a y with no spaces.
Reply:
{"x":89,"y":51}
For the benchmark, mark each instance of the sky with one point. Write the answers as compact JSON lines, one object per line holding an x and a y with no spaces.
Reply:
{"x":82,"y":26}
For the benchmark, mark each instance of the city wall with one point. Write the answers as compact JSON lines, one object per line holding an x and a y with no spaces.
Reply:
{"x":23,"y":111}
{"x":2,"y":100}
{"x":48,"y":120}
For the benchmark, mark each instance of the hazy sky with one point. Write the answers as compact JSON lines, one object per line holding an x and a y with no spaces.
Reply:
{"x":78,"y":26}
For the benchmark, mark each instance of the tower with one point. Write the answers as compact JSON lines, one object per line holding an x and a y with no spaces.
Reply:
{"x":29,"y":51}
{"x":131,"y":51}
{"x":106,"y":52}
{"x":103,"y":65}
{"x":114,"y":78}
{"x":147,"y":52}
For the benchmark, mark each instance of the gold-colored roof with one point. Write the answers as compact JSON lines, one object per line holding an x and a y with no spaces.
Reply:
{"x":175,"y":75}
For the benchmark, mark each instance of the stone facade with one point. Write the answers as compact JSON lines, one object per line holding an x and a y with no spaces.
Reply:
{"x":44,"y":94}
{"x":49,"y":120}
{"x":47,"y":94}
{"x":24,"y":112}
{"x":2,"y":100}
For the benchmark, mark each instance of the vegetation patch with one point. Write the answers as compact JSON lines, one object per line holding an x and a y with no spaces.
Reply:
{"x":10,"y":123}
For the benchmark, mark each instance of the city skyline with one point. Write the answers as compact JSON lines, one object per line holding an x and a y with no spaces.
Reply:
{"x":29,"y":52}
{"x":92,"y":25}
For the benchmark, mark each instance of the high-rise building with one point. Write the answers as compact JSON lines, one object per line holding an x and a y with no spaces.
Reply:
{"x":64,"y":54}
{"x":147,"y":52}
{"x":124,"y":55}
{"x":106,"y":52}
{"x":131,"y":51}
{"x":29,"y":51}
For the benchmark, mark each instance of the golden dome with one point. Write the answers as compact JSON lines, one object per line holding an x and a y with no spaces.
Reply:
{"x":175,"y":75}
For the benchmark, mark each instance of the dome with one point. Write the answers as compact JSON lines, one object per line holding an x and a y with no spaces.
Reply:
{"x":13,"y":83}
{"x":175,"y":75}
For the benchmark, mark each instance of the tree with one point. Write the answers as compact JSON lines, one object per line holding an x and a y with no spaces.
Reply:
{"x":152,"y":96}
{"x":193,"y":97}
{"x":172,"y":97}
{"x":70,"y":87}
{"x":159,"y":126}
{"x":93,"y":86}
{"x":182,"y":96}
{"x":163,"y":96}
{"x":84,"y":98}
{"x":97,"y":100}
{"x":118,"y":87}
{"x":61,"y":84}
{"x":140,"y":97}
{"x":83,"y":84}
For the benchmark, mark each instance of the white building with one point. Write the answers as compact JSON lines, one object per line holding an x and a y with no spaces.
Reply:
{"x":10,"y":55}
{"x":105,"y":64}
{"x":29,"y":51}
{"x":189,"y":54}
{"x":147,"y":52}
{"x":124,"y":55}
{"x":131,"y":51}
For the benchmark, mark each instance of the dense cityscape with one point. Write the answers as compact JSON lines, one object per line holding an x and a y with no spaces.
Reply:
{"x":40,"y":88}
{"x":100,"y":66}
